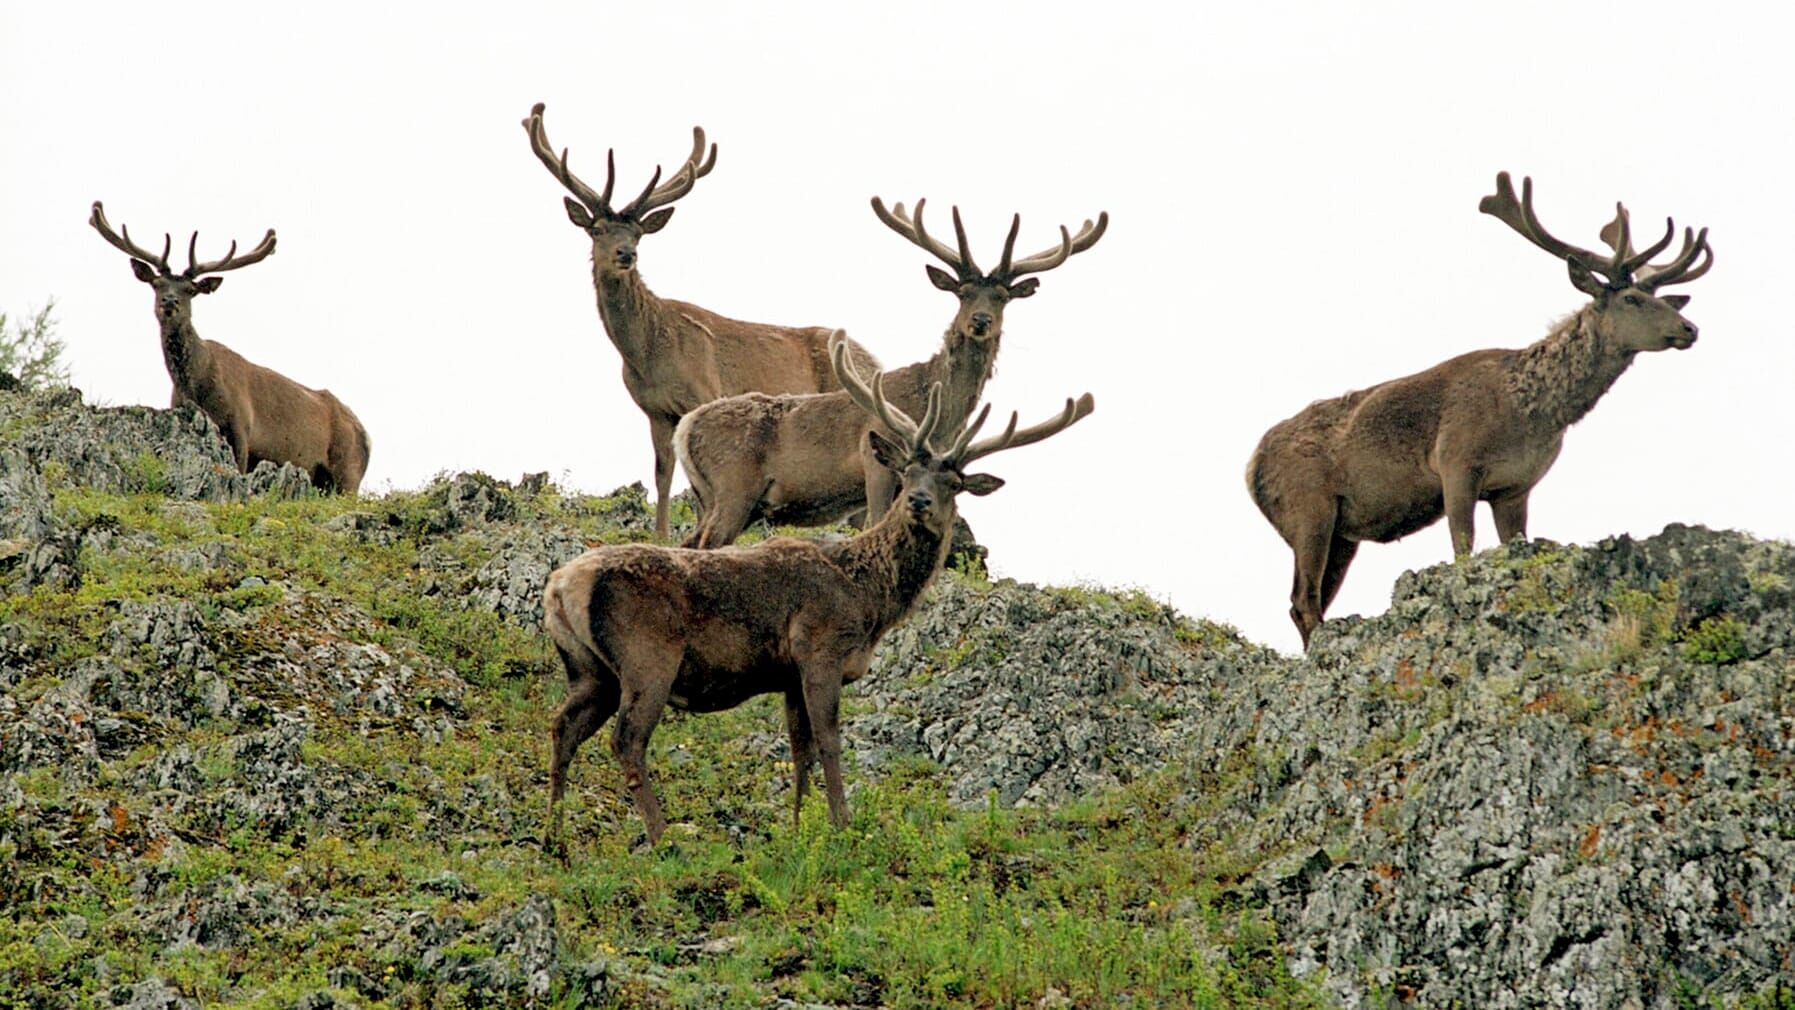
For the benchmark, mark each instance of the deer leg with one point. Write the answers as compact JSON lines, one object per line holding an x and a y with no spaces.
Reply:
{"x":1311,"y":546}
{"x":725,"y":519}
{"x":639,"y":710}
{"x":661,"y":431}
{"x":592,"y":698}
{"x":1340,"y":555}
{"x":797,"y":724}
{"x":822,"y":701}
{"x":1459,"y":488}
{"x":1511,"y":517}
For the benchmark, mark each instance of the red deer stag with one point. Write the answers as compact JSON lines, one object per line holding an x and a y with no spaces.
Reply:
{"x":677,"y":356}
{"x":804,"y":460}
{"x":262,"y":414}
{"x":1381,"y":463}
{"x":639,"y":626}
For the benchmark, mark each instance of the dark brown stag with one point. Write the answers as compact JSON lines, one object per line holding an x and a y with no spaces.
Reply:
{"x":1380,"y":463}
{"x":640,"y":626}
{"x":677,"y":356}
{"x":263,"y":414}
{"x":804,"y":460}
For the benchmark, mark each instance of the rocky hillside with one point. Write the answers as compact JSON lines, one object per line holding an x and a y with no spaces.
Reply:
{"x":262,"y":748}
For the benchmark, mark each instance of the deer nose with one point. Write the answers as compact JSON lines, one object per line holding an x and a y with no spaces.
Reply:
{"x":625,"y":257}
{"x":918,"y":501}
{"x":981,"y":321}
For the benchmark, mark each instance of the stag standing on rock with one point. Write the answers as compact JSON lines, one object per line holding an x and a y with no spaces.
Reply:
{"x":262,"y":414}
{"x":1381,"y":463}
{"x":639,"y":626}
{"x":677,"y":356}
{"x":805,"y":460}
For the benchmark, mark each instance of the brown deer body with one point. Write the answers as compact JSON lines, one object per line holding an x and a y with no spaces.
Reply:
{"x":641,"y":626}
{"x":803,"y":460}
{"x":1381,"y":463}
{"x":262,"y":414}
{"x":677,"y":356}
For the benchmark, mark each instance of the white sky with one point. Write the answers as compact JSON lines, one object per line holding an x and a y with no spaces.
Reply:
{"x":1292,"y":189}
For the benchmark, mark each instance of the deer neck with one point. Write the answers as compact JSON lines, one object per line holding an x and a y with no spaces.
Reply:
{"x":628,"y":310}
{"x":962,"y":366}
{"x":1557,"y":380}
{"x":893,"y":563}
{"x":185,"y":354}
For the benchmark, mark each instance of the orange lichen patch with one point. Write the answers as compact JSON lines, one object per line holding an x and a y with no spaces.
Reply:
{"x":121,"y":818}
{"x":1669,"y":778}
{"x":1377,"y":803}
{"x":1406,"y":677}
{"x":1542,"y":703}
{"x":1740,"y":906}
{"x":1592,"y":839}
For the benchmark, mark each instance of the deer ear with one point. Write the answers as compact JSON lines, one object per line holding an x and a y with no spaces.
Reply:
{"x":144,"y":271}
{"x":1678,"y":302}
{"x":207,"y":285}
{"x":980,"y":484}
{"x":1585,"y":281}
{"x":577,"y":213}
{"x":656,"y":221}
{"x":1024,"y":287}
{"x":889,"y":455}
{"x":942,"y":279}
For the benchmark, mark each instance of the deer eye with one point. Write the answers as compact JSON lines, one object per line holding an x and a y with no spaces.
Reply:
{"x":1630,"y":299}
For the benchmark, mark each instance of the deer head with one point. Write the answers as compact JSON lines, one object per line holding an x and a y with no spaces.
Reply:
{"x":174,"y":292}
{"x":1631,"y":315}
{"x":984,"y":295}
{"x":933,"y":476}
{"x":615,"y":230}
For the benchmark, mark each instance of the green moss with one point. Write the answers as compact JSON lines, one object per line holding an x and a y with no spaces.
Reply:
{"x":1716,"y":641}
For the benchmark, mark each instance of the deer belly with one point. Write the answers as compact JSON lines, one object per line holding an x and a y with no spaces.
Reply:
{"x":707,"y":690}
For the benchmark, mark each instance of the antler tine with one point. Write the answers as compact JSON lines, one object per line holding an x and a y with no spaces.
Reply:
{"x":1634,"y":260}
{"x":972,"y":430}
{"x":557,"y":166}
{"x":231,"y":260}
{"x":1009,"y":246}
{"x":931,"y":414}
{"x":1070,"y":245}
{"x":1678,"y":271}
{"x":123,"y":243}
{"x":604,"y":199}
{"x":639,"y":206}
{"x":967,"y":266}
{"x":696,"y":167}
{"x":870,"y":399}
{"x":1011,"y":438}
{"x":910,"y":226}
{"x":1519,"y":216}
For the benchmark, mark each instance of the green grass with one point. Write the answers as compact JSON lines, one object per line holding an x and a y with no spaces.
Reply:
{"x":915,"y":904}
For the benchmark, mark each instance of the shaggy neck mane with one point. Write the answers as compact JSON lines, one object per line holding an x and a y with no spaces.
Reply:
{"x":1558,"y":379}
{"x":627,"y":308}
{"x":894,"y":561}
{"x":182,"y":353}
{"x":962,"y":366}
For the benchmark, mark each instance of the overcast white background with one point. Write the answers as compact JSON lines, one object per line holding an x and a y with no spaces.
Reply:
{"x":1292,"y":189}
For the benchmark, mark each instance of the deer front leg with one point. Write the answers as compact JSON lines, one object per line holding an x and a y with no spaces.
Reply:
{"x":1511,"y":517}
{"x":822,"y":701}
{"x":642,"y":704}
{"x":661,"y":431}
{"x":1459,"y":488}
{"x":797,"y":725}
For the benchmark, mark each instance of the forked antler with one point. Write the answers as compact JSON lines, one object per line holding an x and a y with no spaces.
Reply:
{"x":871,"y":398}
{"x":1625,"y":267}
{"x":231,"y":260}
{"x":1008,"y":269}
{"x":963,"y":453}
{"x":598,"y":203}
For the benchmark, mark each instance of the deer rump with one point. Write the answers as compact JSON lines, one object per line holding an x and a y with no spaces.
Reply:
{"x":797,"y":458}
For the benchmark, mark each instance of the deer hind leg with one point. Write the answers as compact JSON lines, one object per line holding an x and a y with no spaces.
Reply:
{"x":1311,"y":546}
{"x":730,"y":511}
{"x":592,"y":696}
{"x":649,"y":671}
{"x":661,"y":431}
{"x":797,"y":725}
{"x":1340,"y":555}
{"x":1511,"y":517}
